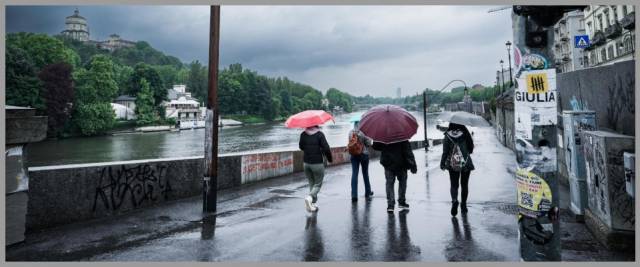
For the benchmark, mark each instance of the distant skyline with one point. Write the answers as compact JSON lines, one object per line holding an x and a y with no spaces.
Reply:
{"x":359,"y":49}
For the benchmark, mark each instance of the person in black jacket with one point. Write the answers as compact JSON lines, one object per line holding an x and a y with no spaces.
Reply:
{"x":315,"y":147}
{"x":396,"y":158}
{"x":457,"y":134}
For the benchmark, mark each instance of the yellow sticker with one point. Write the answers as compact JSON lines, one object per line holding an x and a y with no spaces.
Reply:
{"x":537,"y":83}
{"x":534,"y":193}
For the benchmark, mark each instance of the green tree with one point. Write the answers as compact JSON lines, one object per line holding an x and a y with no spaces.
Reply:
{"x":96,"y":88}
{"x":145,"y":71}
{"x":43,"y":49}
{"x":23,"y":86}
{"x":197,"y":81}
{"x":145,"y":110}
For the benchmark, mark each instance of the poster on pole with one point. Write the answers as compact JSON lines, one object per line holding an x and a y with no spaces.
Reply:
{"x":535,"y":101}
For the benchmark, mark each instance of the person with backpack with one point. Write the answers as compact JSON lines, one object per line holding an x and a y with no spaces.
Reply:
{"x":358,"y":149}
{"x":316,"y":150}
{"x":456,"y":150}
{"x":396,"y":158}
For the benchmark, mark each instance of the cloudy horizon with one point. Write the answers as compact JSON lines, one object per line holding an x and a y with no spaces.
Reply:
{"x":359,"y":49}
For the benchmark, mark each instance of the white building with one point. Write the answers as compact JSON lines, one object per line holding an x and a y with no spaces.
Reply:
{"x":181,"y":105}
{"x":76,"y":27}
{"x":611,"y":30}
{"x":567,"y":56}
{"x":114,"y":43}
{"x":128,"y":102}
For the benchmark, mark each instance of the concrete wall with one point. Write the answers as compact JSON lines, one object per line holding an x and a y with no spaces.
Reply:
{"x":70,"y":193}
{"x":608,"y":90}
{"x":504,"y":125}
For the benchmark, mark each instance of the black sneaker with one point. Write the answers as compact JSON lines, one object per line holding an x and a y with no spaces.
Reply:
{"x":389,"y":208}
{"x":454,"y":208}
{"x":403,"y":206}
{"x":463,"y":208}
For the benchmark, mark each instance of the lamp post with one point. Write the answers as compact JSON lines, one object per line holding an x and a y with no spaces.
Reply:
{"x":502,"y":73}
{"x":508,"y":44}
{"x":424,"y":107}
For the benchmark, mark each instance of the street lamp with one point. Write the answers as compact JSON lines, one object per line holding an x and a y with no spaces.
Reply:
{"x":424,"y":108}
{"x":508,"y":44}
{"x":502,"y":73}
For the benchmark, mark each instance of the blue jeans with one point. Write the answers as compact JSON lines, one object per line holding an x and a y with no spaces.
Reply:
{"x":356,"y":161}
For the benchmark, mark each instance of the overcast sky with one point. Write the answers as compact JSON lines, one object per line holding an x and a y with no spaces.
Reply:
{"x":359,"y":49}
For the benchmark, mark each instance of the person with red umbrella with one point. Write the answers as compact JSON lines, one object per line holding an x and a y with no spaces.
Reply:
{"x":391,"y":127}
{"x":316,"y":150}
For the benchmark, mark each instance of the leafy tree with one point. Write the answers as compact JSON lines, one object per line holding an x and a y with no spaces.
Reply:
{"x":122,"y":76}
{"x":94,"y":118}
{"x":340,"y":99}
{"x":145,"y":71}
{"x":145,"y":110}
{"x":96,"y":88}
{"x":197,"y":81}
{"x":43,"y":49}
{"x":58,"y":94}
{"x":23,"y":86}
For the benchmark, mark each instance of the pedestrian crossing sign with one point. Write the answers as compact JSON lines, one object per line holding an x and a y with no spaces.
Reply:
{"x":581,"y":41}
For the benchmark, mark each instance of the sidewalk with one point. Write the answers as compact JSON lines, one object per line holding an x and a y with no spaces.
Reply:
{"x":266,"y":221}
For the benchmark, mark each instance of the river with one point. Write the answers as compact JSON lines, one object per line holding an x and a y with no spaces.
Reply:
{"x":186,"y":143}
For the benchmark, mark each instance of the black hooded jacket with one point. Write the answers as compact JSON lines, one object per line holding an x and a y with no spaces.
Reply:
{"x":462,"y":138}
{"x":396,"y":157}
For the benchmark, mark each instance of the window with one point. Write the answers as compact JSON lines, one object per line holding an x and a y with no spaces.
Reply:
{"x":603,"y":55}
{"x":589,"y":27}
{"x":610,"y":52}
{"x":600,"y":26}
{"x":624,"y":10}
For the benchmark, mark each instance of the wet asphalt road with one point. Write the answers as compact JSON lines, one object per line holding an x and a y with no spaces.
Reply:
{"x":267,"y":221}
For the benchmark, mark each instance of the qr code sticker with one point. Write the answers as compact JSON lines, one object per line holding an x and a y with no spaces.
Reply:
{"x":526,"y":199}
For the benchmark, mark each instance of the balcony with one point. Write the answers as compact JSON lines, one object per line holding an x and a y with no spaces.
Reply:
{"x":566,"y":57}
{"x":629,"y":21}
{"x":564,"y":38}
{"x":613,"y":31}
{"x":598,"y":38}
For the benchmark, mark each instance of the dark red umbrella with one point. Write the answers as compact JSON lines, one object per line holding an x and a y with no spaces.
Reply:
{"x":308,"y":118}
{"x":388,"y":124}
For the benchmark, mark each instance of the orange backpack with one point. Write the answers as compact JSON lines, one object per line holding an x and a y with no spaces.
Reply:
{"x":355,"y":148}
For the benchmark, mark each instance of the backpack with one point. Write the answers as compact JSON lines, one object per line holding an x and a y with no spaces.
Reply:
{"x":355,"y":147}
{"x":456,"y":159}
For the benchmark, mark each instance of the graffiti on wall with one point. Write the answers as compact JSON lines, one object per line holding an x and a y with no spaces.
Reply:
{"x":131,"y":184}
{"x":607,"y":196}
{"x":621,"y":98}
{"x":256,"y":167}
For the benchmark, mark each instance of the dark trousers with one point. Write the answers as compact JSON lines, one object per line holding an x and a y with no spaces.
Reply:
{"x":402,"y":185}
{"x":457,"y":179}
{"x":356,"y":162}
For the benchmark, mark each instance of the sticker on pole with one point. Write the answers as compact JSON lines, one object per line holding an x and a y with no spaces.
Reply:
{"x":581,"y":41}
{"x":534,"y":194}
{"x":537,"y":83}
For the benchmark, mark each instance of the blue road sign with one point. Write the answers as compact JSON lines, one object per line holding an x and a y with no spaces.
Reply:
{"x":581,"y":41}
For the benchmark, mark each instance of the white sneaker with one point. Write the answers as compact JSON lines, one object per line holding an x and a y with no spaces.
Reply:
{"x":308,"y":204}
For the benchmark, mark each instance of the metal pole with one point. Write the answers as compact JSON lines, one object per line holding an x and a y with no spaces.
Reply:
{"x":502,"y":74}
{"x":210,"y":183}
{"x":509,"y":54}
{"x":424,"y":113}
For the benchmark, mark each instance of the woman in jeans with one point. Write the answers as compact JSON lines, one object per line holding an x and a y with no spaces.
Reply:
{"x":357,"y":161}
{"x":458,"y":135}
{"x":315,"y":147}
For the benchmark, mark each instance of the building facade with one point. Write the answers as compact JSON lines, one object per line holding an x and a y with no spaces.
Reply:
{"x":567,"y":56}
{"x":76,"y":27}
{"x":181,"y":105}
{"x":611,"y":30}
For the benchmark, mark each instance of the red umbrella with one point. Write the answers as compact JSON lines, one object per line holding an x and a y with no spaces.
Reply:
{"x":308,"y":118}
{"x":388,"y":124}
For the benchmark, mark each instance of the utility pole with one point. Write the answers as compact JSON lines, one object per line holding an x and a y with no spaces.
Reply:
{"x":535,"y":133}
{"x":210,"y":181}
{"x":424,"y":113}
